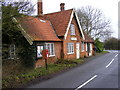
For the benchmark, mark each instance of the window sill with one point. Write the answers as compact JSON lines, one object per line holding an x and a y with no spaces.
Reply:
{"x":70,"y":53}
{"x":73,"y":35}
{"x":42,"y":57}
{"x":51,"y":55}
{"x":39,"y":57}
{"x":82,"y":51}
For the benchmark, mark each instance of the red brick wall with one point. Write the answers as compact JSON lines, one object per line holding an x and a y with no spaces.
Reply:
{"x":68,"y":40}
{"x":84,"y":53}
{"x":57,"y":48}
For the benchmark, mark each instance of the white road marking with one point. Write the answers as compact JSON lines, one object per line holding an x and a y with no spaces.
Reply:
{"x":116,"y":55}
{"x":86,"y":82}
{"x":110,"y":63}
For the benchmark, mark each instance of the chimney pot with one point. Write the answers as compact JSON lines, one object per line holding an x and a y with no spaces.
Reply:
{"x":62,"y":8}
{"x":40,"y":9}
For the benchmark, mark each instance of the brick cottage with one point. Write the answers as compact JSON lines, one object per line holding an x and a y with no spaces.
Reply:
{"x":59,"y":32}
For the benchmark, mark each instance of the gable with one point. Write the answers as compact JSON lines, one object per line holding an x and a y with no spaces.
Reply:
{"x":74,"y":34}
{"x":61,"y":22}
{"x":74,"y":15}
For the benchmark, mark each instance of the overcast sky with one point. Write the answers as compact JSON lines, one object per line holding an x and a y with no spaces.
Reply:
{"x":108,"y":7}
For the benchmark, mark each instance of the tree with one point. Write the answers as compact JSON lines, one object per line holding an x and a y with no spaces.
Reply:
{"x":112,"y":44}
{"x":99,"y":45}
{"x":12,"y":9}
{"x":94,"y":23}
{"x":11,"y":34}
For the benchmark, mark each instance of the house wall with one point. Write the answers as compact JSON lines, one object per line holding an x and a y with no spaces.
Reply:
{"x":68,"y":40}
{"x":57,"y":49}
{"x":92,"y":52}
{"x":84,"y":53}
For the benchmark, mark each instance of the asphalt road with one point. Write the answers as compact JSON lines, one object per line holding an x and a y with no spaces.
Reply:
{"x":98,"y":72}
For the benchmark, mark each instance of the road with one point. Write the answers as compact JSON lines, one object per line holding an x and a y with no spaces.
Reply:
{"x":98,"y":72}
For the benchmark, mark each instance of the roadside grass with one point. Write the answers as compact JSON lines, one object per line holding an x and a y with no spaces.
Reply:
{"x":103,"y":52}
{"x":13,"y":81}
{"x":20,"y":75}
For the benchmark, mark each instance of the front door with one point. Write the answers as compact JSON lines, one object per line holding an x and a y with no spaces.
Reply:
{"x":88,"y":48}
{"x":90,"y":53}
{"x":77,"y":50}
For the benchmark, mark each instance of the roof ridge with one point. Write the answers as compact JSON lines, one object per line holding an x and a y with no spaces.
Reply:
{"x":58,"y":11}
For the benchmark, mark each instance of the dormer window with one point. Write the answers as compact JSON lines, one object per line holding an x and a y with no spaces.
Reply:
{"x":72,"y":29}
{"x":42,"y":20}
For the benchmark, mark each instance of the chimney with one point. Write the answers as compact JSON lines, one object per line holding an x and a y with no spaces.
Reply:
{"x":40,"y":10}
{"x":62,"y":8}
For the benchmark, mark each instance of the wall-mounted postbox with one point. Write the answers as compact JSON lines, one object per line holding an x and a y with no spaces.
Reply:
{"x":45,"y":53}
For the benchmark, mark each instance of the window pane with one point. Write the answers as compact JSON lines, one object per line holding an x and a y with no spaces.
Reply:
{"x":12,"y":51}
{"x":70,"y":47}
{"x":82,"y":46}
{"x":39,"y":51}
{"x":72,"y":29}
{"x":50,"y":47}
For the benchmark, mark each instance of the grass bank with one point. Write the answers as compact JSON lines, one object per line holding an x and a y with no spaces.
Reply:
{"x":15,"y":74}
{"x":103,"y":52}
{"x":13,"y":81}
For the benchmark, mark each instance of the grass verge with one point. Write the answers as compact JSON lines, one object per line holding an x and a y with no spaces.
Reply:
{"x":14,"y":81}
{"x":103,"y":52}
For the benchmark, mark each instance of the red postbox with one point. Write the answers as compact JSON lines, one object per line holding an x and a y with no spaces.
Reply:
{"x":45,"y":53}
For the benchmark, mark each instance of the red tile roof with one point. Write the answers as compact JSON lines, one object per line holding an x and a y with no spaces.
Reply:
{"x":60,"y":21}
{"x":87,"y":38}
{"x":38,"y":29}
{"x":49,"y":26}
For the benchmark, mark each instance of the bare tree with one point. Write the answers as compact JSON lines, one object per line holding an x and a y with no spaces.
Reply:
{"x":94,"y":23}
{"x":21,"y":6}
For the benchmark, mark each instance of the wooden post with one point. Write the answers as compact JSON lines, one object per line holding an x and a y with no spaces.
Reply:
{"x":45,"y":56}
{"x":46,"y":63}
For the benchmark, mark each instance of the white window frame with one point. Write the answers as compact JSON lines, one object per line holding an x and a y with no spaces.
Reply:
{"x":72,"y":29}
{"x":83,"y":47}
{"x":39,"y":50}
{"x":90,"y":46}
{"x":12,"y":52}
{"x":70,"y":48}
{"x":50,"y":49}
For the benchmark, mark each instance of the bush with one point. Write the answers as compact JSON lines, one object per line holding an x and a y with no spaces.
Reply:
{"x":66,"y":62}
{"x":99,"y":45}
